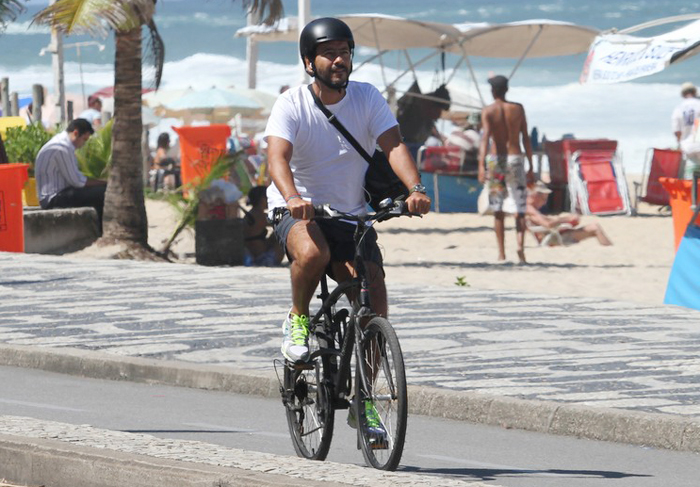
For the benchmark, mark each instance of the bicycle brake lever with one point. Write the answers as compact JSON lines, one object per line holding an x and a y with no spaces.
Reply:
{"x":325,"y":211}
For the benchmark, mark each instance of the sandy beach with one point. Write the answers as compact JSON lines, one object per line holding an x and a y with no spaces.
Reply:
{"x":442,"y":247}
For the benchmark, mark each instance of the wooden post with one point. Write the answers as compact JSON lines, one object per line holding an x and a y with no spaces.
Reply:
{"x":14,"y":104}
{"x":37,"y":102}
{"x":69,"y":110}
{"x":5,"y":96}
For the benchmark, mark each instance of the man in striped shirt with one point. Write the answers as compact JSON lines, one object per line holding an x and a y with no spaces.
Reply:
{"x":60,"y":183}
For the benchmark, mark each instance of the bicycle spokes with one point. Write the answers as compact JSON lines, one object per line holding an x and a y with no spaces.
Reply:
{"x":309,"y":414}
{"x":382,"y":382}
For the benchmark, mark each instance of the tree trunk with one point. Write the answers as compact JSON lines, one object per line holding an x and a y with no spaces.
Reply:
{"x":125,"y":211}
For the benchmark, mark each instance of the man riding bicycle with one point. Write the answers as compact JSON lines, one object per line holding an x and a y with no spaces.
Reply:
{"x":310,"y":162}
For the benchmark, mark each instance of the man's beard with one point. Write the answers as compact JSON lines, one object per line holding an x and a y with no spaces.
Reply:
{"x":335,"y":85}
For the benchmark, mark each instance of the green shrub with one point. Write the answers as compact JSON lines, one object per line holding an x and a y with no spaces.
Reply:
{"x":22,"y":144}
{"x":95,"y":157}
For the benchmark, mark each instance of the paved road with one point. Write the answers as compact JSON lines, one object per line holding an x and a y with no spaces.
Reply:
{"x":435,"y":447}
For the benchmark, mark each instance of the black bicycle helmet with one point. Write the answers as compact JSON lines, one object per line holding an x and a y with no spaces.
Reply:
{"x":323,"y":30}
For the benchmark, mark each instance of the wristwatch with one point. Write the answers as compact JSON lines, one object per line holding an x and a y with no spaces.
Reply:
{"x":418,"y":188}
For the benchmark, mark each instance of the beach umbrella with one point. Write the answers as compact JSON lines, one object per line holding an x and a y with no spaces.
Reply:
{"x":149,"y":117}
{"x":214,"y":98}
{"x":155,"y":99}
{"x":527,"y":38}
{"x":379,"y":31}
{"x":263,"y":98}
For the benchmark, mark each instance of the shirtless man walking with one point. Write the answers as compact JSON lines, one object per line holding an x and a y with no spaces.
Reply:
{"x":502,"y":169}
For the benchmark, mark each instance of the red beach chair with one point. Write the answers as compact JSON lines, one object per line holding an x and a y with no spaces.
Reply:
{"x":661,"y":163}
{"x":598,"y":185}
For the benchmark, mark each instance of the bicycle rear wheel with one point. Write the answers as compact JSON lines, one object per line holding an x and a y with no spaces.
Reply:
{"x":310,"y":414}
{"x":381,"y":379}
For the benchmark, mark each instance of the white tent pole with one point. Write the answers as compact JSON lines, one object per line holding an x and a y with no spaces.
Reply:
{"x":527,"y":50}
{"x":413,"y":65}
{"x":465,"y":56}
{"x":654,"y":23}
{"x":379,"y":48}
{"x":304,"y":18}
{"x":369,"y":60}
{"x":58,"y":80}
{"x":454,"y":70}
{"x":252,"y":51}
{"x":410,"y":65}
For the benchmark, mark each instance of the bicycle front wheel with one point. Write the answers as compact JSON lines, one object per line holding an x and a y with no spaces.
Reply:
{"x":310,"y":413}
{"x":381,"y":388}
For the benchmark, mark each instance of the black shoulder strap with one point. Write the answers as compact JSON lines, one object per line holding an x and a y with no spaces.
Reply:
{"x":341,"y":128}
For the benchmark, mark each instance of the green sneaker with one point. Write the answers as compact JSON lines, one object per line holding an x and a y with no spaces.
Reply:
{"x":295,"y":341}
{"x":373,"y":426}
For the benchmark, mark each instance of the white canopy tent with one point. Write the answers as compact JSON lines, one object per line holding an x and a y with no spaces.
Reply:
{"x":615,"y":57}
{"x":523,"y":39}
{"x":384,"y":33}
{"x":378,"y":31}
{"x":527,"y":38}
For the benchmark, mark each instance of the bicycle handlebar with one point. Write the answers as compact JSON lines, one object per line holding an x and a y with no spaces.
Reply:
{"x":391,"y":209}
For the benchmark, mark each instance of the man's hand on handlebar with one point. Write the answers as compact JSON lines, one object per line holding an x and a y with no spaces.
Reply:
{"x":418,"y":203}
{"x":300,"y":209}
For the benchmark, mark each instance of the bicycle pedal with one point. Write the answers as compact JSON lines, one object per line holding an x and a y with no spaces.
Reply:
{"x":379,"y":443}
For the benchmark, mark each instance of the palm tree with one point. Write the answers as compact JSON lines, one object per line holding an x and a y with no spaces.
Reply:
{"x":9,"y":9}
{"x":125,"y":212}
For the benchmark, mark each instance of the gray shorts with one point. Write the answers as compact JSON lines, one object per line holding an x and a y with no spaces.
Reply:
{"x":339,"y":236}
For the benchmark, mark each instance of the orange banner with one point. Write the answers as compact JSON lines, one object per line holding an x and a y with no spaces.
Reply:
{"x":200,"y":148}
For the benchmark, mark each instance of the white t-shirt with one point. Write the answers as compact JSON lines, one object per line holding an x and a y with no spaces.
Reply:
{"x":56,"y":168}
{"x":90,"y":115}
{"x":684,"y":116}
{"x":326,"y":168}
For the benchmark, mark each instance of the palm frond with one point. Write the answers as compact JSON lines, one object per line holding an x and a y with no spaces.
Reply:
{"x":156,"y":50}
{"x":9,"y":9}
{"x":96,"y":17}
{"x":188,"y":207}
{"x":270,"y":10}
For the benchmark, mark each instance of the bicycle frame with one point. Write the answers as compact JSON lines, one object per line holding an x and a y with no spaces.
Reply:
{"x":350,"y":336}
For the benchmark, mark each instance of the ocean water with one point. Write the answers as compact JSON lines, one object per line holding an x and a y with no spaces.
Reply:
{"x":201,"y":51}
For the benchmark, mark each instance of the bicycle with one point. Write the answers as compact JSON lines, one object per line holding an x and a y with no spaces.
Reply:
{"x":312,"y":391}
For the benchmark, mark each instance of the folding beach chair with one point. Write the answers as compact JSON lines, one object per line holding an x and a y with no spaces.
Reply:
{"x":660,"y":163}
{"x":597,"y":184}
{"x":549,"y":237}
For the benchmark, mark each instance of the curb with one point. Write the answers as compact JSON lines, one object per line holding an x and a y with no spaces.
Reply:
{"x":32,"y":461}
{"x":605,"y":424}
